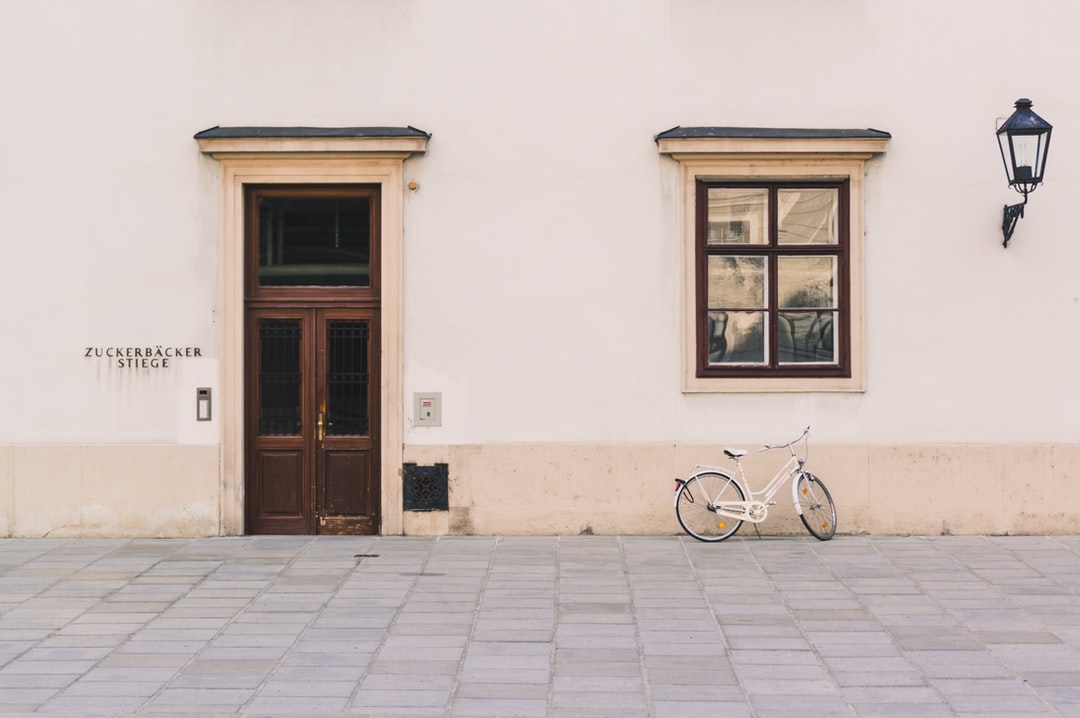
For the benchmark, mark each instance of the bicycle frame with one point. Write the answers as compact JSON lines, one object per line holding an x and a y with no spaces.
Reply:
{"x":755,"y":509}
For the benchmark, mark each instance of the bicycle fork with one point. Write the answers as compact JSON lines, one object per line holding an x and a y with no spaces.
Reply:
{"x":801,"y":492}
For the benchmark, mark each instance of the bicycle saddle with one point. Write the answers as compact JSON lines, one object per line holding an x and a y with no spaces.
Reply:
{"x":735,"y":453}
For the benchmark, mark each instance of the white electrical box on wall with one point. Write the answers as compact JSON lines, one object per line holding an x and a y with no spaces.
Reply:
{"x":427,"y":409}
{"x":202,"y":404}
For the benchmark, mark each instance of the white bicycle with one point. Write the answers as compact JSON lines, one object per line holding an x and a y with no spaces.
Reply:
{"x":712,"y":504}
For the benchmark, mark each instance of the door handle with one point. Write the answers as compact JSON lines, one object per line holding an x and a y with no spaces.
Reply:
{"x":320,"y":429}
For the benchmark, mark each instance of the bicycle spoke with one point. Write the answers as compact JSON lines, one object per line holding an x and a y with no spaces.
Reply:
{"x":818,"y":512}
{"x":696,"y":508}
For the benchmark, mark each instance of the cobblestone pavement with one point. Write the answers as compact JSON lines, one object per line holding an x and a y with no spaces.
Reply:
{"x":550,"y":626}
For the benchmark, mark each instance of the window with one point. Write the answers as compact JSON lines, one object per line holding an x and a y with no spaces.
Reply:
{"x":772,"y":279}
{"x":772,"y":236}
{"x":315,"y":241}
{"x":312,"y":239}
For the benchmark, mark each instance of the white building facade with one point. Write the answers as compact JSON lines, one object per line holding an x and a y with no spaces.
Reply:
{"x":428,"y":267}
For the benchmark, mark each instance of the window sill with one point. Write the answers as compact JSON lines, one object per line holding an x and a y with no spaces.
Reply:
{"x":762,"y":385}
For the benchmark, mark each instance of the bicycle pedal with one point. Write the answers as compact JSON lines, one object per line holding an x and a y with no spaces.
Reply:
{"x":771,"y":503}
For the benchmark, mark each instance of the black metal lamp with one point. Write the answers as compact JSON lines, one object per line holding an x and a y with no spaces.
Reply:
{"x":1024,"y":140}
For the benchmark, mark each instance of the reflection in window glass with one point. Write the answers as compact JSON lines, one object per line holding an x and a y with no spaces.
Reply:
{"x":807,"y":337}
{"x":806,"y":281}
{"x":807,"y":216}
{"x":307,"y":241}
{"x":737,"y":282}
{"x":737,"y":215}
{"x":737,"y":338}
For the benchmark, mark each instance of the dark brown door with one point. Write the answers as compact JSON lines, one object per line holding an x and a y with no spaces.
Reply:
{"x":311,"y":291}
{"x":312,"y":399}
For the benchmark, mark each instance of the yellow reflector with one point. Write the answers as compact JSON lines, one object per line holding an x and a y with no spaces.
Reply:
{"x":721,"y":525}
{"x":805,"y":490}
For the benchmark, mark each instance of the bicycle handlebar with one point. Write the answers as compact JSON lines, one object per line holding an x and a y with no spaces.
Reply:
{"x":789,"y":444}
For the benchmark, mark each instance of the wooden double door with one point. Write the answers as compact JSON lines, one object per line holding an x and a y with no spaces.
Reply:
{"x":312,"y":450}
{"x":311,"y":388}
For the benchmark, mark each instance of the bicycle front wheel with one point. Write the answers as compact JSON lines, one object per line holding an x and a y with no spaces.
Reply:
{"x":696,"y":505}
{"x":818,"y":513}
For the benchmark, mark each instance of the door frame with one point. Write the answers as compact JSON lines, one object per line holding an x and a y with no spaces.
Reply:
{"x":258,"y":160}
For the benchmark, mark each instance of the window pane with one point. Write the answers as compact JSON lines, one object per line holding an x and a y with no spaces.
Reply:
{"x":737,"y":216}
{"x":808,"y":216}
{"x":279,"y":377}
{"x":347,"y":378}
{"x":807,"y":337}
{"x":314,"y":241}
{"x":737,"y":338}
{"x":736,"y":282}
{"x":806,"y":282}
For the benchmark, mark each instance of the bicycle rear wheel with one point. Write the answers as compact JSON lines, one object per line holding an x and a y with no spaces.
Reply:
{"x":696,"y":504}
{"x":818,"y":511}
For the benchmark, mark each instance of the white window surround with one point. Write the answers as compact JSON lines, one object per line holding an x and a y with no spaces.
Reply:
{"x":305,"y":155}
{"x":733,"y":153}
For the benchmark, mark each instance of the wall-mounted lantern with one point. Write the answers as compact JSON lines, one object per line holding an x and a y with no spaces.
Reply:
{"x":1024,"y":140}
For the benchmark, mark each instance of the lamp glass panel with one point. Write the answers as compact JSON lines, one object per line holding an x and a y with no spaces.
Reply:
{"x":1025,"y":157}
{"x":1005,"y":143}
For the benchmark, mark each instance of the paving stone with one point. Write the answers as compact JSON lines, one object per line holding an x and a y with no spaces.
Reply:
{"x":211,"y":698}
{"x":681,"y":709}
{"x":112,"y":674}
{"x":402,"y":700}
{"x":124,"y":688}
{"x":902,"y":710}
{"x":325,"y":688}
{"x":529,"y":691}
{"x":539,"y":661}
{"x":999,"y":705}
{"x":500,"y":707}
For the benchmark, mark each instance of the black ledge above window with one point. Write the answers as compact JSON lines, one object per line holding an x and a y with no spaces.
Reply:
{"x":768,"y":133}
{"x":308,"y":132}
{"x":688,"y":142}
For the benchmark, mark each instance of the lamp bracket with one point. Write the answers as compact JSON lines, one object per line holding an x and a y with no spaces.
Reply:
{"x":1012,"y":213}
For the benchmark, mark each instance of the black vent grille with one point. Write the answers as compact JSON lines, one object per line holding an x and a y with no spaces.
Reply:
{"x":427,"y":488}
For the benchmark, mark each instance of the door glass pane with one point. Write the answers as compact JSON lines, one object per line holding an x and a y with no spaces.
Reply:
{"x":737,"y":216}
{"x":805,"y":282}
{"x":279,"y":377}
{"x":736,"y":282}
{"x":307,"y":241}
{"x":347,"y":378}
{"x":737,"y":338}
{"x":807,"y":337}
{"x":808,"y":216}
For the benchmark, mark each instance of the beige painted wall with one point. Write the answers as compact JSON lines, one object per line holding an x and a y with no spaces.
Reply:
{"x":628,"y":489}
{"x":108,"y":491}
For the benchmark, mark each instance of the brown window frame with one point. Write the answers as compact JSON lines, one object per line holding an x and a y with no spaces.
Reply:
{"x":253,"y":291}
{"x":772,"y":250}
